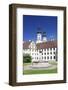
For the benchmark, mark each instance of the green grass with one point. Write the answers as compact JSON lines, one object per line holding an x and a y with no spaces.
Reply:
{"x":49,"y":71}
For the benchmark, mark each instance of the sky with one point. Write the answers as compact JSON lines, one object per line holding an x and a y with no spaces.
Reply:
{"x":31,"y":24}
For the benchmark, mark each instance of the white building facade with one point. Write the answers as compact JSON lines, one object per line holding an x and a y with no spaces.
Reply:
{"x":41,"y":50}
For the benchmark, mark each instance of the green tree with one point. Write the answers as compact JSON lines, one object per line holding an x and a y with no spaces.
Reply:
{"x":27,"y":58}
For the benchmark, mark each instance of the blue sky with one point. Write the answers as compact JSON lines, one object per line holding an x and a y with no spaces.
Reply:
{"x":47,"y":24}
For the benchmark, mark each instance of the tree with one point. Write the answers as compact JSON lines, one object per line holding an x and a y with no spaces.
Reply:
{"x":27,"y":58}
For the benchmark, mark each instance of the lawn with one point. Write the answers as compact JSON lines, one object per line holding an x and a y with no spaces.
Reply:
{"x":40,"y":71}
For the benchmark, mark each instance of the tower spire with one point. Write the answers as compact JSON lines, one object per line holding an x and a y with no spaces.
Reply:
{"x":44,"y":37}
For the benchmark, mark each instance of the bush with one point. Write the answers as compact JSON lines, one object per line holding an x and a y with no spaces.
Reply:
{"x":27,"y":58}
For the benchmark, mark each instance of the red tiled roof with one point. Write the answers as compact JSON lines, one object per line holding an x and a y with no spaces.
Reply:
{"x":44,"y":45}
{"x":49,"y":44}
{"x":26,"y":44}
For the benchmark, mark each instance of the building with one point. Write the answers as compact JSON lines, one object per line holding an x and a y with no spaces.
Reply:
{"x":41,"y":50}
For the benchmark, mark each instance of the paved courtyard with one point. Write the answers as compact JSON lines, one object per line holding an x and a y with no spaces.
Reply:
{"x":35,"y":66}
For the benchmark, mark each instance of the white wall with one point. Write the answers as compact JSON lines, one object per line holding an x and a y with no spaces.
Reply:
{"x":4,"y":47}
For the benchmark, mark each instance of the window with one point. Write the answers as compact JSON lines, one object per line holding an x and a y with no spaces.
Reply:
{"x":51,"y":57}
{"x":44,"y":49}
{"x":54,"y":48}
{"x":54,"y":52}
{"x":37,"y":57}
{"x":40,"y":51}
{"x":47,"y":57}
{"x":47,"y":53}
{"x":54,"y":57}
{"x":50,"y":52}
